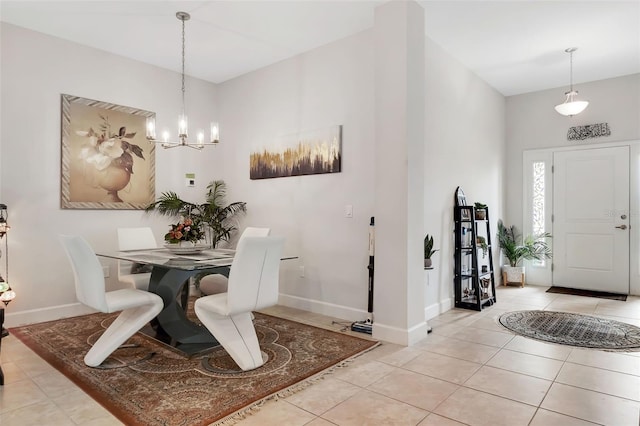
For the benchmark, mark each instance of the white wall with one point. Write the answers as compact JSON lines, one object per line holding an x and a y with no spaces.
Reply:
{"x":465,"y":146}
{"x":533,"y":123}
{"x":36,"y":69}
{"x":327,"y":86}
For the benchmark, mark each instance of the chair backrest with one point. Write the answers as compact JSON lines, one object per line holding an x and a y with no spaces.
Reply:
{"x":254,"y":276}
{"x":133,"y":239}
{"x":89,"y":278}
{"x":250,"y":231}
{"x":136,"y":239}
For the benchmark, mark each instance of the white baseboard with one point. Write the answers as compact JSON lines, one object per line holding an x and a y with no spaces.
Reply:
{"x":436,"y":309}
{"x":324,"y":308}
{"x":15,"y":319}
{"x":405,"y":337}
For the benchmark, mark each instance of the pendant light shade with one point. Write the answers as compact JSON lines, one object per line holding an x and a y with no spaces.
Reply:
{"x":571,"y":106}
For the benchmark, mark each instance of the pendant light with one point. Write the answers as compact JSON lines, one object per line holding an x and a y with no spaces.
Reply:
{"x":570,"y":106}
{"x":183,"y":123}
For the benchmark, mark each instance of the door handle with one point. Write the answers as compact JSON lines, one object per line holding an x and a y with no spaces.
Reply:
{"x":622,"y":227}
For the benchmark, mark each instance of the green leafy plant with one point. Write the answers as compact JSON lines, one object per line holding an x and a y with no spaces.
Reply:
{"x":516,"y":249}
{"x":482,"y":243}
{"x":480,"y":206}
{"x":218,"y":219}
{"x":428,"y":247}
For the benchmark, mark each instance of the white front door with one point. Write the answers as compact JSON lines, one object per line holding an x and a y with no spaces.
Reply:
{"x":591,"y":219}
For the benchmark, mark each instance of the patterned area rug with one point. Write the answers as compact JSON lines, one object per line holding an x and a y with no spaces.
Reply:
{"x":573,"y":329}
{"x":169,"y":388}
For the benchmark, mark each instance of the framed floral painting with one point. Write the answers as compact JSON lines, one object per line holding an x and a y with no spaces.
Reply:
{"x":107,"y":161}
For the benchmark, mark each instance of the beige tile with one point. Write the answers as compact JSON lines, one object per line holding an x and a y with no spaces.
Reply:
{"x":12,"y":373}
{"x":508,"y":384}
{"x":446,"y":329}
{"x":370,"y":408}
{"x":549,"y":418}
{"x":491,"y":324}
{"x":364,"y":373}
{"x":277,"y":413}
{"x":415,"y":389}
{"x":320,"y":422}
{"x":482,"y":409}
{"x":401,"y":356}
{"x":532,"y":365}
{"x":323,"y":395}
{"x":436,"y":420}
{"x":33,"y":365}
{"x":20,"y":394}
{"x":81,"y":408}
{"x":39,"y":413}
{"x":596,"y":379}
{"x":627,"y":312}
{"x":615,"y":361}
{"x":464,"y":350}
{"x":484,"y":337}
{"x":591,"y":406}
{"x":54,"y":383}
{"x":443,"y":367}
{"x":535,"y":347}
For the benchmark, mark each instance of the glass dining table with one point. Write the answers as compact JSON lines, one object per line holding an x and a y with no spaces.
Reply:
{"x":170,"y":277}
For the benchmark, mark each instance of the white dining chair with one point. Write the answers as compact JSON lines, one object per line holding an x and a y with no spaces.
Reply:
{"x":253,"y":284}
{"x":217,"y":283}
{"x":133,"y":274}
{"x":138,"y":307}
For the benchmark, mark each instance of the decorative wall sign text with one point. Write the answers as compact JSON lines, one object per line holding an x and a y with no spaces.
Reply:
{"x":580,"y":133}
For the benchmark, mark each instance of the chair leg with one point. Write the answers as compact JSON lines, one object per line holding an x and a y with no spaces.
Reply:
{"x":237,"y":336}
{"x":124,"y":326}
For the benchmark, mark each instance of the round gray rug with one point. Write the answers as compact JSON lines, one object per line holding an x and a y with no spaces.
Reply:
{"x":573,"y":329}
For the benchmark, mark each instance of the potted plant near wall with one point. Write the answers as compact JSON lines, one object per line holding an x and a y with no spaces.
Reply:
{"x":480,"y":211}
{"x":516,"y":249}
{"x":428,"y":251}
{"x":217,"y":219}
{"x":481,"y":242}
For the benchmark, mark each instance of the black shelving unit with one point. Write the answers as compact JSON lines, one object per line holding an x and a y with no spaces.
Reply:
{"x":474,"y":280}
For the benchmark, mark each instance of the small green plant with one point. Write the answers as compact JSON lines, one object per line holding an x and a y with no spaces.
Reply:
{"x":516,"y":249}
{"x":482,"y":243}
{"x":480,"y":206}
{"x":428,"y":247}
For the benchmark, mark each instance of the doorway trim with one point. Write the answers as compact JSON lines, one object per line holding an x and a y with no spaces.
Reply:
{"x":542,"y":275}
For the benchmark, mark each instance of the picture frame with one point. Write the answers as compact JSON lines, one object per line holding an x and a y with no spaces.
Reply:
{"x":303,"y":153}
{"x":106,"y":160}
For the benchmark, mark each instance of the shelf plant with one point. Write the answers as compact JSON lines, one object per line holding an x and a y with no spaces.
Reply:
{"x":428,"y":250}
{"x":480,"y":211}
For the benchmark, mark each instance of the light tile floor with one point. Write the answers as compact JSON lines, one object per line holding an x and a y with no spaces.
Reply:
{"x":469,"y":371}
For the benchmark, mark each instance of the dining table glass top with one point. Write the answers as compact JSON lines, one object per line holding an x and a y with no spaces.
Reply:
{"x":205,"y":259}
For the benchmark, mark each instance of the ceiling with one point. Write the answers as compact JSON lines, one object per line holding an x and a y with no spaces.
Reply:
{"x":515,"y":46}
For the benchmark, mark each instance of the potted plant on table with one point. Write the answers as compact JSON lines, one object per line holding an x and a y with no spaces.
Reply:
{"x":516,"y":249}
{"x":428,"y":250}
{"x":217,"y":219}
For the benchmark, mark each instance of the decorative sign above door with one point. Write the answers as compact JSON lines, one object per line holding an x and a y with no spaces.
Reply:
{"x":580,"y":133}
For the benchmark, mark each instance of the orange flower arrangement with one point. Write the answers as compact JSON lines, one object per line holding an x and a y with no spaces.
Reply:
{"x":185,"y":230}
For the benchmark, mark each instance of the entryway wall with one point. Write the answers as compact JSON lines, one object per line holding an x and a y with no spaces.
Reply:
{"x":533,"y":125}
{"x":542,"y":274}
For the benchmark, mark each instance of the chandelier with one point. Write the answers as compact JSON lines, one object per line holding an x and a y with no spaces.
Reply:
{"x":571,"y":106}
{"x":183,"y":122}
